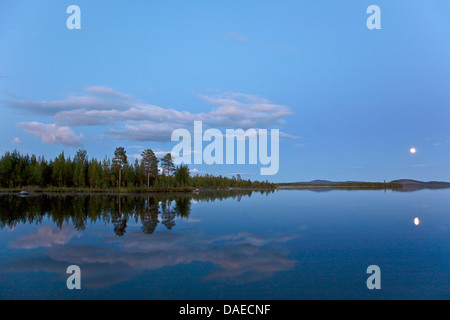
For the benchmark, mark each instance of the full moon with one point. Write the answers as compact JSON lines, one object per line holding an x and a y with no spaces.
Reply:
{"x":412,"y":150}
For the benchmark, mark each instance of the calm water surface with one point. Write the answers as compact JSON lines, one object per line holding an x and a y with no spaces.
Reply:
{"x":292,"y":244}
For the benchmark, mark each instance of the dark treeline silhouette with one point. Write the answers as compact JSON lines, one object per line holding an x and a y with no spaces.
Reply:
{"x":18,"y":171}
{"x":115,"y":209}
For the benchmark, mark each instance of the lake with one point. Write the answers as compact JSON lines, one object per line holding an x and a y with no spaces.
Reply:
{"x":287,"y":244}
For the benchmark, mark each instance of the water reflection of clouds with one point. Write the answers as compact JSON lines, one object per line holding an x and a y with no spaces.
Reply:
{"x":193,"y":220}
{"x":45,"y":237}
{"x":236,"y":258}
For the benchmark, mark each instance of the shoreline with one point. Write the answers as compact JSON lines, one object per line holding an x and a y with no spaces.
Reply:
{"x":28,"y":191}
{"x":394,"y":186}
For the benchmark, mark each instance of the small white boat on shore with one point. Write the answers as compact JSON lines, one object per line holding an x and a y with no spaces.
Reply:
{"x":23,"y":194}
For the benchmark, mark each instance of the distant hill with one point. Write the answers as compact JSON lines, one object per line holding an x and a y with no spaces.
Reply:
{"x":322,"y":182}
{"x":326,"y":182}
{"x":399,"y":185}
{"x":410,"y":185}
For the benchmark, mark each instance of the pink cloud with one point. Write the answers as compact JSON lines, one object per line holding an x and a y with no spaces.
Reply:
{"x":51,"y":133}
{"x":139,"y":121}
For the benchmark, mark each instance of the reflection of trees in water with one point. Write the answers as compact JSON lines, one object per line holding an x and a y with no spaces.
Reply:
{"x":167,"y":214}
{"x":118,"y":210}
{"x":148,"y":214}
{"x":120,"y":226}
{"x":119,"y":220}
{"x":183,"y":207}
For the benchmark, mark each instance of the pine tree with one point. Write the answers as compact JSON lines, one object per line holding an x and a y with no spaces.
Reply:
{"x":80,"y":162}
{"x":119,"y":160}
{"x":182,"y":174}
{"x":150,"y":165}
{"x":58,"y":170}
{"x":167,"y":165}
{"x":106,"y":168}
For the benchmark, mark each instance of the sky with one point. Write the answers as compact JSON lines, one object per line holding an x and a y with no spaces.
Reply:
{"x":349,"y":102}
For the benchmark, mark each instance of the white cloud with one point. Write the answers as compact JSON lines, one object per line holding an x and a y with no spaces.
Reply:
{"x":144,"y":131}
{"x":142,"y":112}
{"x":136,"y":147}
{"x":86,"y":102}
{"x":284,"y":135}
{"x":107,"y":92}
{"x":138,"y":121}
{"x":51,"y":133}
{"x":16,"y":140}
{"x":132,"y":157}
{"x":238,"y":110}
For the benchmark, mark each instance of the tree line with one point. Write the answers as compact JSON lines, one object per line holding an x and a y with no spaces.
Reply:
{"x":22,"y":170}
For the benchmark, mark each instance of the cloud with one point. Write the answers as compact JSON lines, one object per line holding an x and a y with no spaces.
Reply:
{"x":237,"y":110}
{"x":107,"y":92}
{"x":16,"y":140}
{"x":134,"y":156}
{"x":235,"y":36}
{"x":423,"y":165}
{"x":441,"y":143}
{"x":138,"y":147}
{"x":142,"y":112}
{"x":52,"y":133}
{"x":284,"y":135}
{"x":277,"y":47}
{"x":234,"y":110}
{"x":144,"y":131}
{"x":124,"y":117}
{"x":85,"y":102}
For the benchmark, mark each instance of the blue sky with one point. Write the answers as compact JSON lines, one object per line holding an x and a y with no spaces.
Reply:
{"x":349,"y":102}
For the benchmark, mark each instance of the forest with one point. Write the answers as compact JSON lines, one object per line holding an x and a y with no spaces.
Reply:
{"x":150,"y":173}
